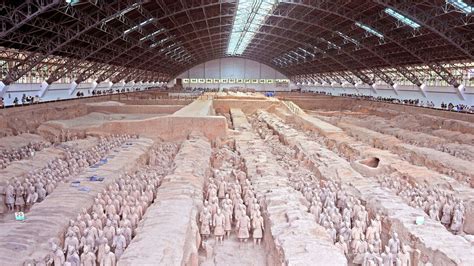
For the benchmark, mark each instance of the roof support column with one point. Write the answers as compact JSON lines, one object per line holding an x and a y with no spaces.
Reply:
{"x":43,"y":88}
{"x":3,"y":88}
{"x":72,"y":88}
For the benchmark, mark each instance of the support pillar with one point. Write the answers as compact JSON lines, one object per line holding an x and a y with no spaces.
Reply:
{"x":72,"y":88}
{"x":422,"y":89}
{"x":460,"y":92}
{"x":3,"y":88}
{"x":373,"y":88}
{"x":43,"y":88}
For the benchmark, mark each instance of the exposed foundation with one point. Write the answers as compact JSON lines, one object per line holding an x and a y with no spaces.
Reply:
{"x":294,"y":156}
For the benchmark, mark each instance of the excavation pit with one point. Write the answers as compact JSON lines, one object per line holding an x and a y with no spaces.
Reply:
{"x":371,"y":162}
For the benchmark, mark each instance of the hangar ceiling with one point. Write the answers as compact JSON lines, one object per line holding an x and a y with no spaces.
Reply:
{"x":155,"y":40}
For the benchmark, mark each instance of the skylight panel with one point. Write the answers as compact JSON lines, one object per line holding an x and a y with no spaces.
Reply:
{"x":400,"y":17}
{"x":369,"y":29}
{"x":250,"y":16}
{"x":347,"y":38}
{"x":461,"y":5}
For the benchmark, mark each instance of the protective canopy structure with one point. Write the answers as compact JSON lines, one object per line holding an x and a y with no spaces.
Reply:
{"x":319,"y":40}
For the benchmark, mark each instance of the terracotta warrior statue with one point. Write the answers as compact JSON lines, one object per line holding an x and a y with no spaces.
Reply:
{"x":9,"y":196}
{"x":219,"y":222}
{"x":258,"y":227}
{"x":88,"y":257}
{"x":243,"y":227}
{"x":205,"y":219}
{"x":109,"y":258}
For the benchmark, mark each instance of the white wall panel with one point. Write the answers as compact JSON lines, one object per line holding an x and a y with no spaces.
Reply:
{"x":233,"y":68}
{"x":197,"y":71}
{"x":437,"y":97}
{"x":209,"y":69}
{"x":252,"y":69}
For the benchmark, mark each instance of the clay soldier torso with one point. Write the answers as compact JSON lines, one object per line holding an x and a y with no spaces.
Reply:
{"x":219,"y":222}
{"x":108,"y":259}
{"x":257,"y":225}
{"x":244,"y":225}
{"x":88,"y":259}
{"x":205,"y":223}
{"x":10,"y":195}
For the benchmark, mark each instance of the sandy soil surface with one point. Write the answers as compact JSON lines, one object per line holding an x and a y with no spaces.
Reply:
{"x":19,"y":141}
{"x":96,"y":119}
{"x":108,"y":103}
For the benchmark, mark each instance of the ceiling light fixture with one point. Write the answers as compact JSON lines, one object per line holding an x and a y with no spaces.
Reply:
{"x":461,"y":5}
{"x":369,"y":29}
{"x":347,"y":38}
{"x":402,"y":18}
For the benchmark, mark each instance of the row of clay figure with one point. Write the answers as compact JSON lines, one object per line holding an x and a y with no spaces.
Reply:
{"x":230,"y":203}
{"x":64,"y":136}
{"x":345,"y":218}
{"x":404,"y":131}
{"x":439,"y":205}
{"x":21,"y":193}
{"x":16,"y":154}
{"x":100,"y":235}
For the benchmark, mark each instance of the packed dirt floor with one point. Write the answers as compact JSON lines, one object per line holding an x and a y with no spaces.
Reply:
{"x":236,"y":179}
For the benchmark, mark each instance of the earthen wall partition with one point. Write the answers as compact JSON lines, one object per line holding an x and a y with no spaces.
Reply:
{"x":156,"y":101}
{"x":166,"y":128}
{"x":28,"y":118}
{"x":311,"y":102}
{"x":134,"y":109}
{"x":247,"y":106}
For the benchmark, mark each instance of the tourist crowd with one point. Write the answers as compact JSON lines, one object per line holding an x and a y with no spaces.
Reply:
{"x":414,"y":102}
{"x":25,"y":100}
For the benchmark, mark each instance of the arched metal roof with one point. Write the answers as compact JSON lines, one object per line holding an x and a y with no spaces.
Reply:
{"x":158,"y":39}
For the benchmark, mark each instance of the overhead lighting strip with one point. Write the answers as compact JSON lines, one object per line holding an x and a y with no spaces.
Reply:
{"x":288,"y":58}
{"x":461,"y":5}
{"x":402,"y":18}
{"x":306,"y":51}
{"x":347,"y":38}
{"x":148,"y":21}
{"x":123,"y":12}
{"x":331,"y":44}
{"x":160,"y":42}
{"x":294,"y":52}
{"x":151,"y":35}
{"x":250,"y":16}
{"x":369,"y":30}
